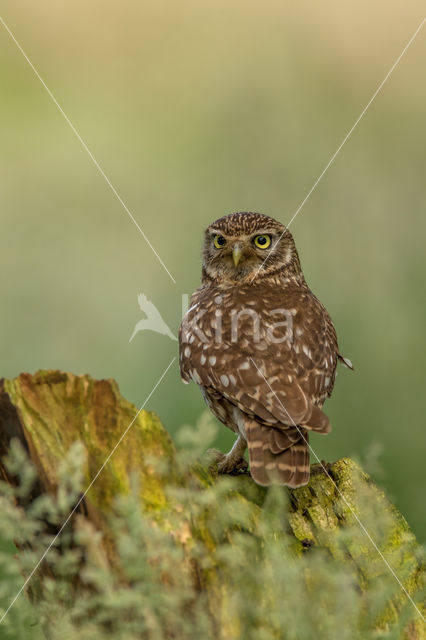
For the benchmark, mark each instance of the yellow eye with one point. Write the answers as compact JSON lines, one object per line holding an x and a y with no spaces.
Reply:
{"x":263,"y":241}
{"x":219,"y":242}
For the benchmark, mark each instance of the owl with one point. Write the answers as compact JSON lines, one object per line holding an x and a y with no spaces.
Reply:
{"x":261,"y":347}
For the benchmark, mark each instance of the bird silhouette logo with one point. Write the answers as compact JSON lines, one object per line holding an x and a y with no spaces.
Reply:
{"x":153,"y":320}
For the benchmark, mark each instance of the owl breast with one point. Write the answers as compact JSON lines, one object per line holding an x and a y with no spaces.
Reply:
{"x":230,"y":337}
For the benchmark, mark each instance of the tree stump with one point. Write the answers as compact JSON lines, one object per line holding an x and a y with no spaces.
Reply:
{"x":50,"y":410}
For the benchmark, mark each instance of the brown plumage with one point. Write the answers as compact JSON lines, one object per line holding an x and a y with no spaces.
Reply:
{"x":261,"y":346}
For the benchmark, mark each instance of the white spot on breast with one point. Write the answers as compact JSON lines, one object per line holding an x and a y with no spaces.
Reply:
{"x":327,"y":381}
{"x":203,"y":359}
{"x":187,"y":352}
{"x":232,"y":379}
{"x":224,"y":380}
{"x":307,"y":351}
{"x":212,"y":360}
{"x":244,"y":366}
{"x":191,"y":339}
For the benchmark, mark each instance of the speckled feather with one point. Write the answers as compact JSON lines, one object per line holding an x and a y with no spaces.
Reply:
{"x":268,"y":391}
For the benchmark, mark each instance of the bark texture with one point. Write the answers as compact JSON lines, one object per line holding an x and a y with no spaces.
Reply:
{"x":50,"y":410}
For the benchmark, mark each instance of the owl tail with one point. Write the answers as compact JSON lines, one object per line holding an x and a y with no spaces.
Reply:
{"x":278,"y":456}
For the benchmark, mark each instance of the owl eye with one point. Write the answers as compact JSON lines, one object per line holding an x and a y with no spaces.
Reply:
{"x":219,"y":242}
{"x":262,"y":242}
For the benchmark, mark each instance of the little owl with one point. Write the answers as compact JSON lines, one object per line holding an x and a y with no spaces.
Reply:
{"x":261,"y":347}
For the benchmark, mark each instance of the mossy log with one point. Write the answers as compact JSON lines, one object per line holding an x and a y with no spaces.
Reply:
{"x":50,"y":410}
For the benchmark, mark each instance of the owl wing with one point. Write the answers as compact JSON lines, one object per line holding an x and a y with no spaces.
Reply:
{"x":315,"y":347}
{"x":268,"y":381}
{"x":267,"y":398}
{"x":187,"y":335}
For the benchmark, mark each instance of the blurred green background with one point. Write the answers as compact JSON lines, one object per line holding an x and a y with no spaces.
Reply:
{"x":194,"y":110}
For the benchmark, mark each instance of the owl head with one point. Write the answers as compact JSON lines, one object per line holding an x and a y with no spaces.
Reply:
{"x":242,"y":246}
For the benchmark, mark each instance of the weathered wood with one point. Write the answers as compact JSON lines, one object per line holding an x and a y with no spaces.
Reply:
{"x":51,"y":410}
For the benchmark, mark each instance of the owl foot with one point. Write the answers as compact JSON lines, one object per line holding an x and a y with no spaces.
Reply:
{"x":227,"y":463}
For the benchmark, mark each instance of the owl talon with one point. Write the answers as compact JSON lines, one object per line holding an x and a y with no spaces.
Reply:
{"x":214,"y":455}
{"x":226,"y":463}
{"x":233,"y":467}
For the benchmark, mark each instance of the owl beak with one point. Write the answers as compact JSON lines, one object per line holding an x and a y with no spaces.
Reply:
{"x":236,"y":254}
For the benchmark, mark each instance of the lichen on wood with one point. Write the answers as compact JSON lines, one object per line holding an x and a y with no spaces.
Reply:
{"x":51,"y":410}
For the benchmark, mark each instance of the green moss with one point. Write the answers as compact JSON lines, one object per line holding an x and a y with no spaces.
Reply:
{"x":208,"y":556}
